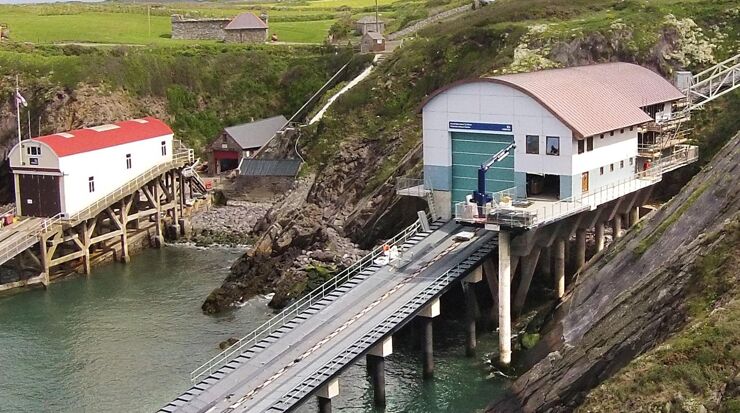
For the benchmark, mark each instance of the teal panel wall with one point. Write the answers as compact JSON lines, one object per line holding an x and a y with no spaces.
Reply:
{"x":469,"y":151}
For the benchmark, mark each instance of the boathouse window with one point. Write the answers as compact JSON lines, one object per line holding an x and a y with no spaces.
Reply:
{"x":34,"y":150}
{"x":91,"y":184}
{"x":621,"y":164}
{"x":164,"y":148}
{"x":601,"y":171}
{"x":590,"y":143}
{"x":128,"y":161}
{"x":581,"y":146}
{"x":533,"y":144}
{"x":553,"y":145}
{"x":611,"y":167}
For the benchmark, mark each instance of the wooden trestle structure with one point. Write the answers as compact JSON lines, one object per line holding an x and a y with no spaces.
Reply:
{"x":151,"y":205}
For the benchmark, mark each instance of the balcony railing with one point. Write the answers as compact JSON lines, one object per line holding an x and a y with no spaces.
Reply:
{"x":507,"y":211}
{"x":411,"y":187}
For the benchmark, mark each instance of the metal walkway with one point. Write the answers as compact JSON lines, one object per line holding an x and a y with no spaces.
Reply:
{"x":280,"y":371}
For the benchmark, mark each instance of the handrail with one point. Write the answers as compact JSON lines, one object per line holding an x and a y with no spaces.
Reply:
{"x":299,"y":306}
{"x":719,"y":65}
{"x":31,"y":237}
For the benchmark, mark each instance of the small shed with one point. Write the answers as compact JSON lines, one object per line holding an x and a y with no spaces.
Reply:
{"x":246,"y":28}
{"x":372,"y":42}
{"x":65,"y":172}
{"x":366,"y":24}
{"x":241,"y":141}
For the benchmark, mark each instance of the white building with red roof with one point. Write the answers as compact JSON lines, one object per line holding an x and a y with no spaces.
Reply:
{"x":576,"y":130}
{"x":66,"y":172}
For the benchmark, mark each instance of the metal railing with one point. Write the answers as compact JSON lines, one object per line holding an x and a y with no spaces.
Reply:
{"x":31,"y":234}
{"x":301,"y":305}
{"x":411,"y":187}
{"x":320,"y":375}
{"x":714,"y":82}
{"x":182,"y":155}
{"x":506,"y":210}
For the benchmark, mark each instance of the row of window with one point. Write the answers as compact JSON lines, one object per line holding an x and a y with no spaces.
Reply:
{"x":611,"y":166}
{"x":552,"y":145}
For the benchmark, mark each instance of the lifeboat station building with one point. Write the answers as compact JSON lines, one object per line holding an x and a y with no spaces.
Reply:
{"x":575,"y":133}
{"x":63,"y":173}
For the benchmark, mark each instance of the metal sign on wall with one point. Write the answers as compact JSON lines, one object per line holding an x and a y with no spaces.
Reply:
{"x":480,"y":126}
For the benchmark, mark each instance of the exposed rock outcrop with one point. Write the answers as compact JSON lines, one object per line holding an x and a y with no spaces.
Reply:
{"x":633,"y":297}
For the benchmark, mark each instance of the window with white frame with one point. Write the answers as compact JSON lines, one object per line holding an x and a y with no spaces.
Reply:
{"x":164,"y":148}
{"x":533,"y":144}
{"x":91,"y":184}
{"x":128,"y":161}
{"x":553,"y":145}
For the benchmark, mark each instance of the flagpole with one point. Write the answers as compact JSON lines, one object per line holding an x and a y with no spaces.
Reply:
{"x":17,"y":108}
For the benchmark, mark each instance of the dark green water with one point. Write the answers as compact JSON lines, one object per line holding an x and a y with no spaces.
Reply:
{"x":126,"y":338}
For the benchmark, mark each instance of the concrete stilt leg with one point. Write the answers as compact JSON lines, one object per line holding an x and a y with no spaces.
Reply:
{"x":617,"y":226}
{"x":490,"y":271}
{"x":634,"y":216}
{"x":504,"y":298}
{"x":599,"y":236}
{"x":376,"y":368}
{"x":529,"y":264}
{"x":326,"y":393}
{"x":427,"y":347}
{"x":580,"y":248}
{"x":471,"y":309}
{"x":324,"y":405}
{"x":559,"y":262}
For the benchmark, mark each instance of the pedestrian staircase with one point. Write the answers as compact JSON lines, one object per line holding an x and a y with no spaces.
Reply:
{"x":24,"y":234}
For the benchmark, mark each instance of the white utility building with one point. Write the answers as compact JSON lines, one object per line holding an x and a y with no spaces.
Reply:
{"x":575,"y":130}
{"x":65,"y":172}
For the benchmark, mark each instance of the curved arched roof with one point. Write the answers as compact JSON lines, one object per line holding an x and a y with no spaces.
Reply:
{"x":104,"y":136}
{"x":590,"y":99}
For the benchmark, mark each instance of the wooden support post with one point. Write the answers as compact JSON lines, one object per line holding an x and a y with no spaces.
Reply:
{"x":158,"y":237}
{"x":529,"y":265}
{"x":580,"y":248}
{"x":617,"y":226}
{"x":124,"y":233}
{"x":504,"y":297}
{"x":45,"y":258}
{"x":86,"y":232}
{"x":599,"y":236}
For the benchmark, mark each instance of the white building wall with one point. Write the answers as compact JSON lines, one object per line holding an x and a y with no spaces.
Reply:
{"x":488,"y":102}
{"x":108,"y":168}
{"x":622,"y":145}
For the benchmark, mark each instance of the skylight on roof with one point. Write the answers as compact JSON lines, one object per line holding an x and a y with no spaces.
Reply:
{"x":103,"y":128}
{"x":140,"y":120}
{"x":65,"y":135}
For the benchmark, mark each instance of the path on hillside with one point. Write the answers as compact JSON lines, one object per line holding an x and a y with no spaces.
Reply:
{"x":428,"y":21}
{"x":365,"y":73}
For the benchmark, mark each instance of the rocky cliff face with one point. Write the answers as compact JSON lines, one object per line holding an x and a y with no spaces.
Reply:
{"x":634,"y":296}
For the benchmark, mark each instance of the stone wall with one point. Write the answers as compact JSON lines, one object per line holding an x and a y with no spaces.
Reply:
{"x":246,"y":36}
{"x":198,"y":29}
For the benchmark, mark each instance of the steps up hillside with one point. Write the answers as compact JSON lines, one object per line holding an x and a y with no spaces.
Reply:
{"x":633,"y":297}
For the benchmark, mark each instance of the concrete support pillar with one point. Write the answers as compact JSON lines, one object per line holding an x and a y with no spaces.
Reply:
{"x":529,"y":264}
{"x":376,"y":368}
{"x":326,"y":393}
{"x":471,"y":310}
{"x":599,"y":236}
{"x":504,"y":297}
{"x":617,"y":226}
{"x":427,"y":337}
{"x":559,"y":262}
{"x":490,"y":271}
{"x":634,"y":216}
{"x":580,"y":248}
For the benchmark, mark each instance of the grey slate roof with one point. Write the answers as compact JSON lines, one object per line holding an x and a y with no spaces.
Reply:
{"x":246,"y":21}
{"x":256,"y":134}
{"x":269,"y":167}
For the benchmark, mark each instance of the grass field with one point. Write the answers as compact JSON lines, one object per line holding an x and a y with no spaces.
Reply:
{"x":127,"y":23}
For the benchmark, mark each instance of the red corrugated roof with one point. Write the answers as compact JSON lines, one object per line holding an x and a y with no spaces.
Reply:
{"x":246,"y":21}
{"x":591,"y":99}
{"x":90,"y":139}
